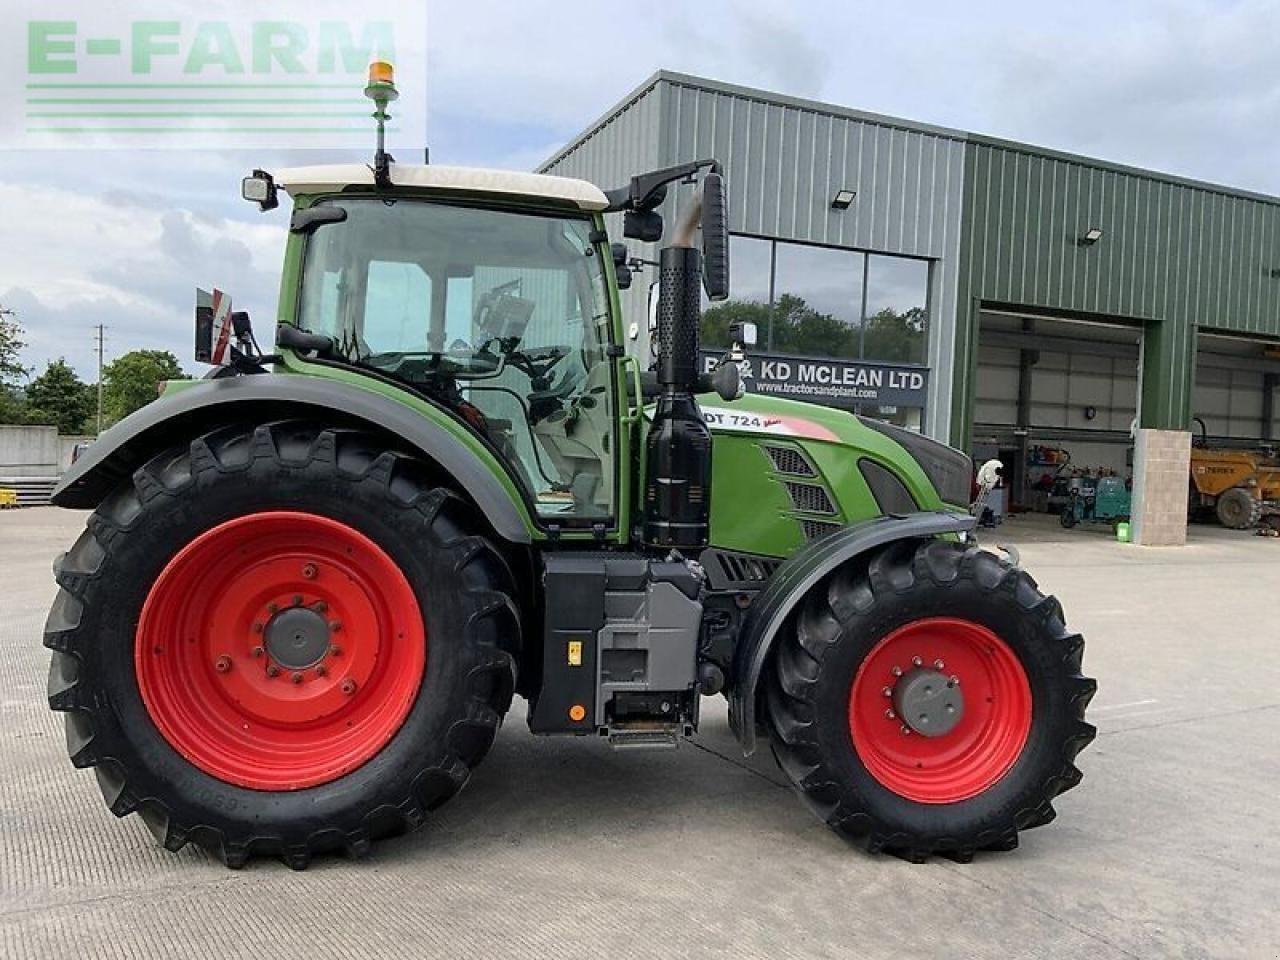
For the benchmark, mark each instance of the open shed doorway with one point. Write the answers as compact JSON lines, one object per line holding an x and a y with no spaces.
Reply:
{"x":1056,"y":400}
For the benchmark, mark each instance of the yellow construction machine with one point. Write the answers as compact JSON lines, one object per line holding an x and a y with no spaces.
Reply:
{"x":1240,"y":486}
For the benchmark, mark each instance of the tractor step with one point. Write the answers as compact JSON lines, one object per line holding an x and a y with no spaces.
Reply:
{"x":648,"y":738}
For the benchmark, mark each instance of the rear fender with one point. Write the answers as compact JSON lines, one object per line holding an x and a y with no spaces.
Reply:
{"x":795,"y":578}
{"x":189,"y":412}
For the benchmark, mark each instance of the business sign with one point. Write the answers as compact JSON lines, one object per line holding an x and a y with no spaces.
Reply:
{"x":220,"y":74}
{"x":837,"y":383}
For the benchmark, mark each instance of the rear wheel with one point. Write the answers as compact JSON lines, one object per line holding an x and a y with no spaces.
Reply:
{"x":281,"y":641}
{"x":1238,"y":509}
{"x":930,"y":700}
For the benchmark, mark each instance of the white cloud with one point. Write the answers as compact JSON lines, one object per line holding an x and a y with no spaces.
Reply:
{"x":116,"y":258}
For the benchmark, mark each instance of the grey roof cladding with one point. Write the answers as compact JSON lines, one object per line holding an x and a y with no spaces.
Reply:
{"x":835,"y":110}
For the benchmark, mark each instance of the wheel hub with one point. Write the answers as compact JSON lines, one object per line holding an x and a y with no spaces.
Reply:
{"x":913,"y":729}
{"x":928,"y":701}
{"x":297,"y":638}
{"x":280,"y":650}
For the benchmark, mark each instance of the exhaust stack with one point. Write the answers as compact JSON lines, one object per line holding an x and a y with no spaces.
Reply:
{"x":677,"y":505}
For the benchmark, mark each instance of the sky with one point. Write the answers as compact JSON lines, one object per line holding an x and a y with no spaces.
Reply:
{"x":122,"y":238}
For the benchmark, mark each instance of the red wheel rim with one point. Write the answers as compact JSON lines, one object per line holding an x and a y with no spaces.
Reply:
{"x":982,"y":746}
{"x":227,"y":644}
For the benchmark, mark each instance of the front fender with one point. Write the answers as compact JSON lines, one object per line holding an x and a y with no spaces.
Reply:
{"x":191,"y":411}
{"x":795,"y":578}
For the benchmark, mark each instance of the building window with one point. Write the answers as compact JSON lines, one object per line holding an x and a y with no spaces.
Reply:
{"x":824,"y":302}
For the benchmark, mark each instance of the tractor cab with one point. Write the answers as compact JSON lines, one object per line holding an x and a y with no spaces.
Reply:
{"x":487,"y":293}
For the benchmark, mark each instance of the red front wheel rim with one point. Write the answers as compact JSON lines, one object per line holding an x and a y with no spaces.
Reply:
{"x":280,"y":650}
{"x":983,"y":745}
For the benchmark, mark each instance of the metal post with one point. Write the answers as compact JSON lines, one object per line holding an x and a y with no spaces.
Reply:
{"x":773,"y":272}
{"x":862,"y":323}
{"x":1270,"y":381}
{"x":101,"y":328}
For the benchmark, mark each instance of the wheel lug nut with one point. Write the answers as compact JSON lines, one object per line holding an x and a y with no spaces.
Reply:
{"x":309,"y":571}
{"x":297,"y":599}
{"x":906,"y":731}
{"x":273,"y":607}
{"x":939,"y":665}
{"x":889,"y":714}
{"x":348,"y":686}
{"x":321,"y":670}
{"x":257,"y":628}
{"x":319,"y":606}
{"x":954,"y":681}
{"x":335,"y":650}
{"x":222,"y":664}
{"x":273,"y":670}
{"x":335,"y":626}
{"x":257,"y":651}
{"x":896,"y":671}
{"x":887,"y":692}
{"x":916,"y":661}
{"x":296,"y":677}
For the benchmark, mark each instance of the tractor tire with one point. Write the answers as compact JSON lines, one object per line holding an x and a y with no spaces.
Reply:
{"x":281,"y":641}
{"x":924,"y":616}
{"x":1238,"y":509}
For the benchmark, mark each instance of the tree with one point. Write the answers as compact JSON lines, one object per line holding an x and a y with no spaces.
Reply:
{"x":61,"y":396}
{"x":133,"y":380}
{"x":11,"y":344}
{"x":896,"y":337}
{"x":798,"y":328}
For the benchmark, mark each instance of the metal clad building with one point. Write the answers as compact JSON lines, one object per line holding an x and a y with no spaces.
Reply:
{"x":1178,"y":255}
{"x":1055,"y":299}
{"x":784,"y":160}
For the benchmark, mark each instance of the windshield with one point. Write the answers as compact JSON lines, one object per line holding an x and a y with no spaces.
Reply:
{"x":501,"y":316}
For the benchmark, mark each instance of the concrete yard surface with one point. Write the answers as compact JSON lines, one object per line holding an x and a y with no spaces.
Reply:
{"x":566,"y":849}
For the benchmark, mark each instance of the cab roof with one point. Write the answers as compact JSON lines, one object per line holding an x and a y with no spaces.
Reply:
{"x":334,"y":177}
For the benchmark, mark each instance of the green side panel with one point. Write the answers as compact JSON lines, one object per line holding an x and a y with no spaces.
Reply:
{"x":1175,"y":256}
{"x":749,"y":506}
{"x":751,"y":510}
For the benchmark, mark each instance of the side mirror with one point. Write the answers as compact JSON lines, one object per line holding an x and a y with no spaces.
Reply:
{"x":715,"y":237}
{"x":742,"y":332}
{"x":726,"y":380}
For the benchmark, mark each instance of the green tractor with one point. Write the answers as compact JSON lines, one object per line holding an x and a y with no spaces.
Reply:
{"x":313,"y":581}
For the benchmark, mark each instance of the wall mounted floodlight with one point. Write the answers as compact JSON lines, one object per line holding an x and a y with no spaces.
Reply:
{"x":1091,"y":236}
{"x":842,"y":199}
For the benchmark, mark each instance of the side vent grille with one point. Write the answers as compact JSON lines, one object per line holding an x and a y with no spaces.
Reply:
{"x":727,"y":570}
{"x":817,"y":529}
{"x":810,"y":497}
{"x":788,"y":460}
{"x":744,"y":568}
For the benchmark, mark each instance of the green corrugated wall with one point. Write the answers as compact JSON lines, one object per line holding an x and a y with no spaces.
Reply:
{"x":1175,"y":255}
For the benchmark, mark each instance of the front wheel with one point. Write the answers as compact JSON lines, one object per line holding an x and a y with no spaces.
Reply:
{"x":930,"y":700}
{"x":1238,"y":509}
